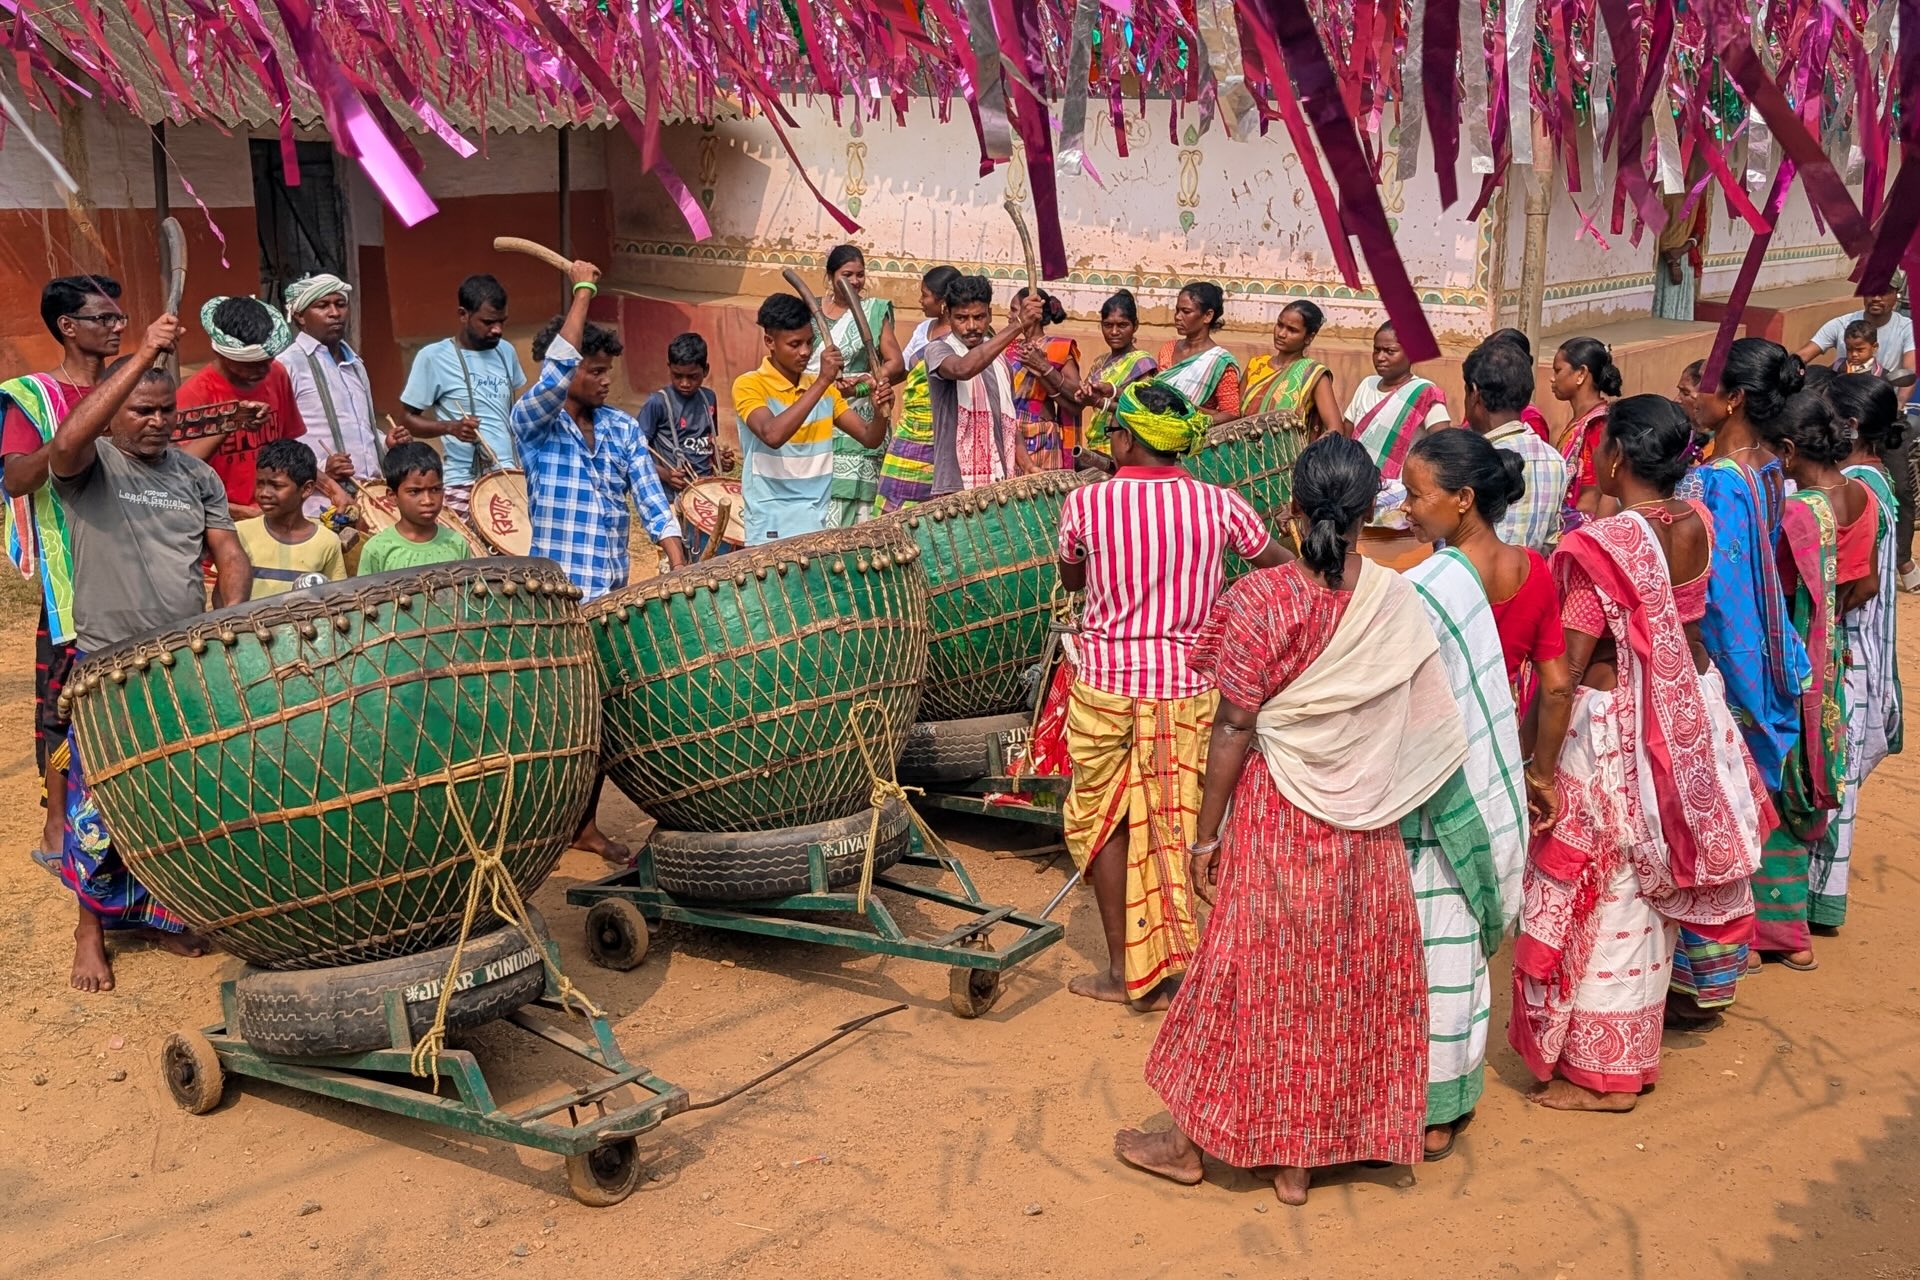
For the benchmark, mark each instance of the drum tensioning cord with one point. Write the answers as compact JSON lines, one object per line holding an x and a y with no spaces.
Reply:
{"x":840,"y":1033}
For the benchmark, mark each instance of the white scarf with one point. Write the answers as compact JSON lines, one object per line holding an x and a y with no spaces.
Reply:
{"x":1370,"y":729}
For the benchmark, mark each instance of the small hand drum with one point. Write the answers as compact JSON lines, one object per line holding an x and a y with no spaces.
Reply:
{"x":698,"y":510}
{"x":500,"y":512}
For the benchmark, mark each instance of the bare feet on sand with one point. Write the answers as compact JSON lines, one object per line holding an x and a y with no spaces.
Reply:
{"x":1290,"y":1184}
{"x":191,"y":945}
{"x":1564,"y":1095}
{"x":1100,"y":986}
{"x":91,"y":969}
{"x":1168,"y":1153}
{"x":594,"y":840}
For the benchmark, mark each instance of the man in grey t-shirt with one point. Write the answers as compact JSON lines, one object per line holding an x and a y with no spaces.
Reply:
{"x":141,"y":516}
{"x":964,"y":369}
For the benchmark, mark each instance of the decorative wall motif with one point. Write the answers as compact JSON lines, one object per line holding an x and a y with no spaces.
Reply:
{"x":1188,"y":196}
{"x":709,"y":164}
{"x":856,"y":175}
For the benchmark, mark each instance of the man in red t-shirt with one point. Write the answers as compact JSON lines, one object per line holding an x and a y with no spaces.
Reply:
{"x":247,"y":334}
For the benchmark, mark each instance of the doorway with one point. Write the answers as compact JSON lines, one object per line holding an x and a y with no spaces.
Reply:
{"x":302,"y":229}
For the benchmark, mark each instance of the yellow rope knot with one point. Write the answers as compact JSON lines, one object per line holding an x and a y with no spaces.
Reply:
{"x":490,"y":876}
{"x":886,"y":787}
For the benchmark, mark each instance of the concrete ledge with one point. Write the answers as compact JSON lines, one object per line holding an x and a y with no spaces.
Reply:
{"x":1789,"y":316}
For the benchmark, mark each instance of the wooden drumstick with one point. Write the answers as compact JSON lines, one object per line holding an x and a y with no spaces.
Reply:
{"x":722,"y":513}
{"x":533,"y":249}
{"x":1026,"y":246}
{"x":173,"y":261}
{"x":851,"y":301}
{"x":792,"y":277}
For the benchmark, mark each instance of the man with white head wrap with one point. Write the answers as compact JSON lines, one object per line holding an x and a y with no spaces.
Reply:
{"x":330,"y":381}
{"x":246,"y":335}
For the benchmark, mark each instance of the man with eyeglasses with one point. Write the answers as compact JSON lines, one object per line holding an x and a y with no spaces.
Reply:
{"x":83,"y":314}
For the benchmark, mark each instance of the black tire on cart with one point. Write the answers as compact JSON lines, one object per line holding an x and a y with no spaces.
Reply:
{"x":341,"y":1010}
{"x":193,"y":1072}
{"x":954,"y":750}
{"x":617,"y":934}
{"x":605,"y":1175}
{"x":747,"y":866}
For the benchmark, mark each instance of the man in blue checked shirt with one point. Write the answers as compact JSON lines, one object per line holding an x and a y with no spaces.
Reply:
{"x":584,"y":459}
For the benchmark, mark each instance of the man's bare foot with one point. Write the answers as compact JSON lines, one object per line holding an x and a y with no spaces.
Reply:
{"x":1439,"y":1140}
{"x":92,"y":971}
{"x":594,"y":840}
{"x":1100,"y":986}
{"x":1290,"y":1184}
{"x":1564,"y":1095}
{"x":191,"y":945}
{"x":1168,"y":1153}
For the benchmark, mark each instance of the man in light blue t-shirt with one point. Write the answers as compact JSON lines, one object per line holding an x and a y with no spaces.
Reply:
{"x":461,"y":389}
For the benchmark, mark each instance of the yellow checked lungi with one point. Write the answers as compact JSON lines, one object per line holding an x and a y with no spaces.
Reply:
{"x":1141,"y":761}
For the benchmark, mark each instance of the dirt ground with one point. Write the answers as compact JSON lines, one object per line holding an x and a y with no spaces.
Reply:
{"x":1778,"y":1146}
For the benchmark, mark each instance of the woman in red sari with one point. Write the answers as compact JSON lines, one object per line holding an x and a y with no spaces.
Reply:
{"x":1655,"y":826}
{"x":1585,"y":379}
{"x":1299,"y":1038}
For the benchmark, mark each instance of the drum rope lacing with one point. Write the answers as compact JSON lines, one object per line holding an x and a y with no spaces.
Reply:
{"x":490,"y":876}
{"x":885,"y":787}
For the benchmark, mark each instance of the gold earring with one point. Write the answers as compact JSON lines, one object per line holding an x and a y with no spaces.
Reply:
{"x":1615,"y":469}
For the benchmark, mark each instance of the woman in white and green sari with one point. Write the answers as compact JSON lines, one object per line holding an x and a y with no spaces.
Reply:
{"x":856,"y":468}
{"x":1872,"y":674}
{"x":1194,"y":364}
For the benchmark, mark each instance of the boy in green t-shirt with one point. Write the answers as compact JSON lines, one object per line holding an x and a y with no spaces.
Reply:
{"x":289,"y":551}
{"x":413,"y":475}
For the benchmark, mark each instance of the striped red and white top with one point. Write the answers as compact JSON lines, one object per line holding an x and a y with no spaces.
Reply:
{"x":1153,"y":539}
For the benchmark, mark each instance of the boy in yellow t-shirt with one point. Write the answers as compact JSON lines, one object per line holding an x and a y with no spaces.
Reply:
{"x":289,"y":551}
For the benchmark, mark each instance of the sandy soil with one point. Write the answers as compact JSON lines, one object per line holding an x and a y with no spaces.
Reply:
{"x":1779,"y":1145}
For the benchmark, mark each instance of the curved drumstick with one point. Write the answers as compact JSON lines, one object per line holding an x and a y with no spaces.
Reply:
{"x":173,"y":259}
{"x":533,"y":249}
{"x":792,"y":277}
{"x":851,"y":301}
{"x":1026,"y":246}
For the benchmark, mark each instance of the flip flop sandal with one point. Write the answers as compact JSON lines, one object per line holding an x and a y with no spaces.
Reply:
{"x":49,"y":859}
{"x":1459,"y":1127}
{"x":1796,"y":966}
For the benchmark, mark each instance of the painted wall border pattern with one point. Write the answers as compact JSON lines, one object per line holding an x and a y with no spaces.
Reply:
{"x":738,"y":252}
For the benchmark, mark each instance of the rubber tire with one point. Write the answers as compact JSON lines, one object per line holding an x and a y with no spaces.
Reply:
{"x":193,"y":1072}
{"x":948,"y":751}
{"x":617,"y":934}
{"x":316,"y":1013}
{"x":605,"y":1176}
{"x":750,"y":866}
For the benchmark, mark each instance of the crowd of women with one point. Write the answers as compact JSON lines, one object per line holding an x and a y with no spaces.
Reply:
{"x":1640,"y":759}
{"x":1645,"y":766}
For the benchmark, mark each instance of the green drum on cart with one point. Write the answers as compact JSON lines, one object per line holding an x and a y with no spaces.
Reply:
{"x":990,"y":557}
{"x":1254,"y":456}
{"x":285,"y":774}
{"x":730,"y":685}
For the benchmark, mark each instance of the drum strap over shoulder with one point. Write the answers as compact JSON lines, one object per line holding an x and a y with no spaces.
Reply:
{"x":333,"y":417}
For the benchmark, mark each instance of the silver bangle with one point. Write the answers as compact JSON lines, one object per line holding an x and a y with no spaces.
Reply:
{"x":1208,"y":846}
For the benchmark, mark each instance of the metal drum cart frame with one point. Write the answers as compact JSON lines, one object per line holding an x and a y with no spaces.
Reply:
{"x":598,"y":1136}
{"x":622,"y":908}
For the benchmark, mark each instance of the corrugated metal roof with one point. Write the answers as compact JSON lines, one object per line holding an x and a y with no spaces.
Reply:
{"x":494,"y":102}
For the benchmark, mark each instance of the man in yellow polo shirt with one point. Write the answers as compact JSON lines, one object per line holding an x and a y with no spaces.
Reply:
{"x":789,"y":416}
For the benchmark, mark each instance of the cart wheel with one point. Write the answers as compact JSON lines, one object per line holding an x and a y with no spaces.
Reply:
{"x":971,"y":992}
{"x":605,"y":1175}
{"x":616,"y":934}
{"x":195,"y":1077}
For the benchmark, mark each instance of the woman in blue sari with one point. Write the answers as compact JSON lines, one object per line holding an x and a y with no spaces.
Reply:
{"x":1746,"y":631}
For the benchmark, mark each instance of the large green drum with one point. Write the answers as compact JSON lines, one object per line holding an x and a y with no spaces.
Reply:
{"x":1254,"y":456}
{"x":730,"y":685}
{"x":991,"y":579}
{"x":285,"y":775}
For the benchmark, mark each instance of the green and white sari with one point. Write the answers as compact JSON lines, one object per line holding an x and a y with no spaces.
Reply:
{"x":856,"y":468}
{"x":1468,"y":844}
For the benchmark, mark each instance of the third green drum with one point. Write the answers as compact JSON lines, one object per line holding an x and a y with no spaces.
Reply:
{"x":731,"y":686}
{"x":992,"y":581}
